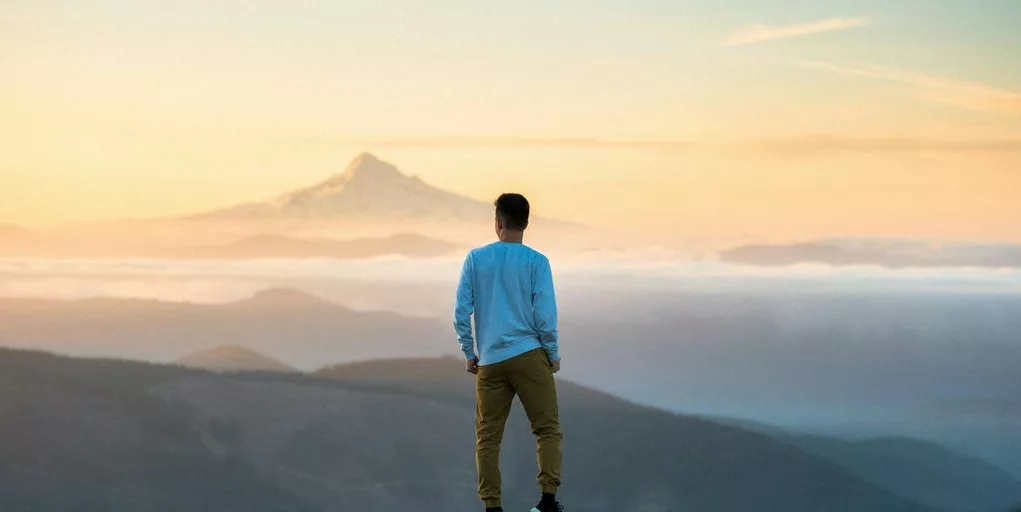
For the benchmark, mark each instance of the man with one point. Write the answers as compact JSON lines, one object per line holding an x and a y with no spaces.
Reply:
{"x":508,"y":287}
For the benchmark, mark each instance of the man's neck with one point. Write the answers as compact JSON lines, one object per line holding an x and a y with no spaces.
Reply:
{"x":512,"y":237}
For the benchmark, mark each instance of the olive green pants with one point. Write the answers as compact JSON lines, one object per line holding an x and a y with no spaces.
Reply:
{"x":530,"y":378}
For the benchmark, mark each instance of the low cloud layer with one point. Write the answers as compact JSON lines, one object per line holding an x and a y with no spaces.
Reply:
{"x":213,"y":281}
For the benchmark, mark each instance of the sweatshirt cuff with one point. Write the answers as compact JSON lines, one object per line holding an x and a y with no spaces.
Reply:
{"x":554,"y":354}
{"x":469,"y":355}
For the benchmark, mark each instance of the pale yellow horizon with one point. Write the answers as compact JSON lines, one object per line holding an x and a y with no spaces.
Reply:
{"x":810,"y":126}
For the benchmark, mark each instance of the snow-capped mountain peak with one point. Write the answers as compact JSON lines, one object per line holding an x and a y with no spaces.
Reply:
{"x":367,"y":188}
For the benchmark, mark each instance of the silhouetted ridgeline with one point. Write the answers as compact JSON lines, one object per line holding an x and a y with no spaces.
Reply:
{"x":393,"y":435}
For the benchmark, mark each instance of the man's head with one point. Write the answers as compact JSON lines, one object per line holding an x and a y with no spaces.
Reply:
{"x":511,"y":214}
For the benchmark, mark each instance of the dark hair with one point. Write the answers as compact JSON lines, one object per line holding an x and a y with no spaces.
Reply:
{"x":513,"y":210}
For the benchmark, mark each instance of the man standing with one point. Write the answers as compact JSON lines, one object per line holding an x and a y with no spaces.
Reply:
{"x":508,"y":287}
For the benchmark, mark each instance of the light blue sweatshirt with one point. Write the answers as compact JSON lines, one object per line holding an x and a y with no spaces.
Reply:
{"x":508,"y":287}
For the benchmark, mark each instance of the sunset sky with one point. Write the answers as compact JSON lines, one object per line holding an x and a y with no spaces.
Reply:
{"x":751,"y":120}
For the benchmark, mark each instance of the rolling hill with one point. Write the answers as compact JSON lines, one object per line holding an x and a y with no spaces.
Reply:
{"x":391,"y":435}
{"x":922,"y":470}
{"x":233,"y":359}
{"x":926,"y":471}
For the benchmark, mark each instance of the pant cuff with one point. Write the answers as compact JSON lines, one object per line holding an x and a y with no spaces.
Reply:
{"x":546,"y":489}
{"x":491,"y":503}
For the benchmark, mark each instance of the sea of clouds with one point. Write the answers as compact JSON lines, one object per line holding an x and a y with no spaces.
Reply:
{"x":221,"y":281}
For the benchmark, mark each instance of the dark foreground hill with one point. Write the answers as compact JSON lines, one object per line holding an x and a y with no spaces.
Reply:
{"x":922,"y":470}
{"x":121,"y":436}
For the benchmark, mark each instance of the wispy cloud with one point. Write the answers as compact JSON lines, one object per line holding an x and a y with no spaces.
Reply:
{"x":947,"y":91}
{"x":763,"y":33}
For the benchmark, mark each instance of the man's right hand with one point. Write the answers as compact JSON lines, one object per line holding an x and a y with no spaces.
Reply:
{"x":556,"y":366}
{"x":472,"y":366}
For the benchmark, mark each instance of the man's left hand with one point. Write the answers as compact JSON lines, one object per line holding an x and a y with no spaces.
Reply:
{"x":472,"y":366}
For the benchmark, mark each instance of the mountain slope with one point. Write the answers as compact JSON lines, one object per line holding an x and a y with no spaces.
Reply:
{"x":990,"y":428}
{"x":368,"y":187}
{"x":88,"y":435}
{"x":233,"y":359}
{"x":298,"y":443}
{"x":710,"y":466}
{"x":924,"y":471}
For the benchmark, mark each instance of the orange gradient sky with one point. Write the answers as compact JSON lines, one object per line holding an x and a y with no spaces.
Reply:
{"x":676,"y":119}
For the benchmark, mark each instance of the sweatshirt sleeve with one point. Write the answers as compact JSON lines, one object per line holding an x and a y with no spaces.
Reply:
{"x":464,"y":309}
{"x":544,"y":309}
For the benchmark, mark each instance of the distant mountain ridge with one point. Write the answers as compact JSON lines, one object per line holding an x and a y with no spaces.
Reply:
{"x":893,"y":253}
{"x":312,"y":331}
